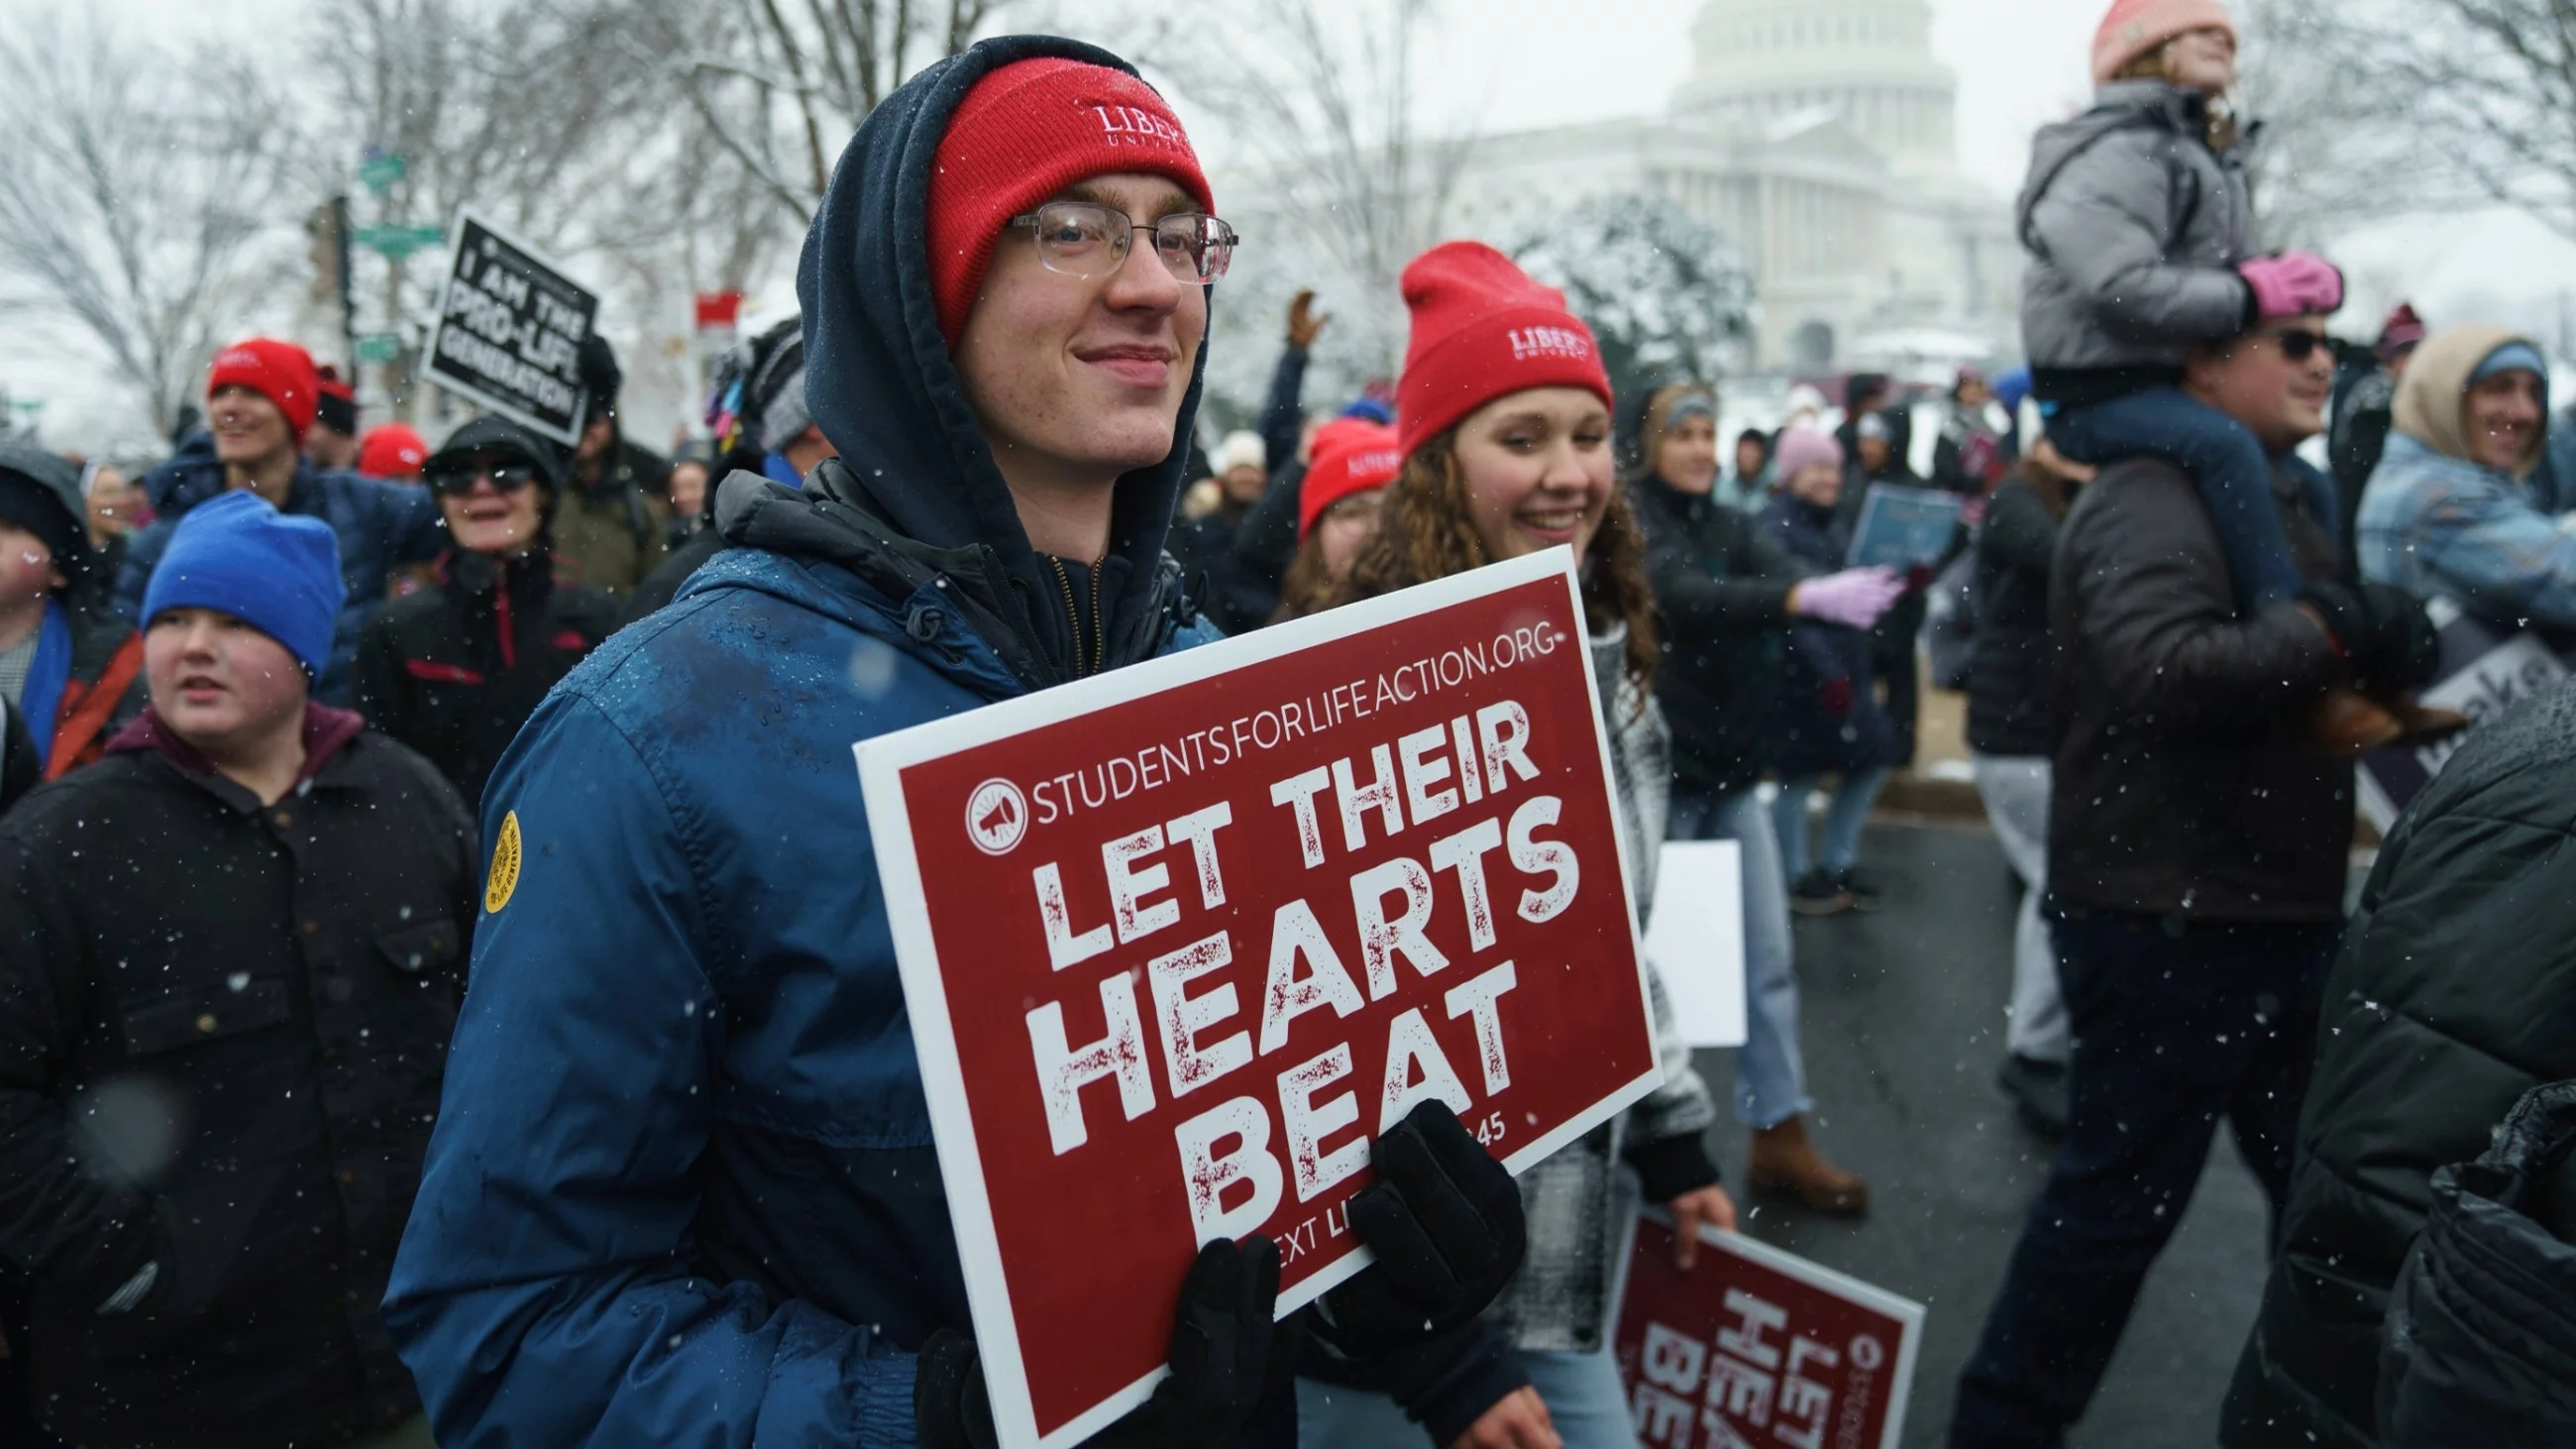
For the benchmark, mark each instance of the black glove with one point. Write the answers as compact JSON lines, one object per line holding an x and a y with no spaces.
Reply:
{"x":2405,"y":649}
{"x":1444,"y":1219}
{"x":1220,"y":1357}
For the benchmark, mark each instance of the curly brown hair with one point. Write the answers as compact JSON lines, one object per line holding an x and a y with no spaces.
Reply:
{"x":1424,"y":533}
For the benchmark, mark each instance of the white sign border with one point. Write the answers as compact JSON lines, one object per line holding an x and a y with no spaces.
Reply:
{"x":881,"y":763}
{"x":1906,"y":1311}
{"x":438,"y":329}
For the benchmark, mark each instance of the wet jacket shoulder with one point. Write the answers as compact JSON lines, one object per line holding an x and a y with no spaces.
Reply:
{"x":2451,"y":1000}
{"x":1722,"y":585}
{"x":2011,"y":663}
{"x":2480,"y":1343}
{"x":685,"y":1174}
{"x":455,"y":669}
{"x":380,"y":526}
{"x":278,"y":981}
{"x":2174,"y":714}
{"x":2133,"y":227}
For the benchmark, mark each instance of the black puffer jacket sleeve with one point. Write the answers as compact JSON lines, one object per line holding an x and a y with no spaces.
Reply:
{"x":2451,"y":1000}
{"x":1752,"y":596}
{"x":2155,"y":613}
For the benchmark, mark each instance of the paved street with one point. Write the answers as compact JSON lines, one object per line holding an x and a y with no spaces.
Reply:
{"x":1904,"y":1030}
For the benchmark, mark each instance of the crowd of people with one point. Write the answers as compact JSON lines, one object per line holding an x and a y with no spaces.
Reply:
{"x":278,"y":1169}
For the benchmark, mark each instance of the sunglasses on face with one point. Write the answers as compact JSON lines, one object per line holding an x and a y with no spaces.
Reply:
{"x":2298,"y":344}
{"x":457,"y":480}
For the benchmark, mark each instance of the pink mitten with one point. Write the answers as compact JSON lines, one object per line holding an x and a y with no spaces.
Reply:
{"x":1853,"y":598}
{"x":2293,"y":284}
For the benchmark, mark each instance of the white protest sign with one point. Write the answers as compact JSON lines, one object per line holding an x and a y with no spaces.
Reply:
{"x":1695,"y":937}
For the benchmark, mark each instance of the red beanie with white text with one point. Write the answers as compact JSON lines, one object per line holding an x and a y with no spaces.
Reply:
{"x":1352,"y":455}
{"x":1482,"y":330}
{"x":2135,"y":27}
{"x":281,"y":372}
{"x":1021,"y":136}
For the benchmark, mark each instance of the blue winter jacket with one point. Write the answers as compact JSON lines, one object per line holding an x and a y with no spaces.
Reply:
{"x":381,"y":526}
{"x":683,"y":1188}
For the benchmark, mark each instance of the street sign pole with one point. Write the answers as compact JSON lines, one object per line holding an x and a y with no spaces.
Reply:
{"x":348,"y":303}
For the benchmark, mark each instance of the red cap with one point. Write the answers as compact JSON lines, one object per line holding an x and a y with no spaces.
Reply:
{"x":2402,"y":330}
{"x":1482,"y":330}
{"x":1351,"y":455}
{"x":279,"y":371}
{"x":392,"y":451}
{"x":1025,"y":133}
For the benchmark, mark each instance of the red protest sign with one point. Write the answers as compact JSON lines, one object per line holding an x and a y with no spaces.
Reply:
{"x":1755,"y":1346}
{"x":1178,"y":941}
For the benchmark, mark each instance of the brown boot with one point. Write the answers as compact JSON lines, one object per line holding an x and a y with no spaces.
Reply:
{"x":2425,"y":725}
{"x":2347,"y":723}
{"x":1783,"y":1161}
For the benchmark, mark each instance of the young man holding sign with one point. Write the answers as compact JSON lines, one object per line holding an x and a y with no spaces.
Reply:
{"x":685,"y":1182}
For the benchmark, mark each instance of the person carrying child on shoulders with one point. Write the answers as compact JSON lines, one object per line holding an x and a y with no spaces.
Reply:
{"x":2140,"y":233}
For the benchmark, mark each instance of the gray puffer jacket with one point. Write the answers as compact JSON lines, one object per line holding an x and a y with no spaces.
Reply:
{"x":2134,"y":229}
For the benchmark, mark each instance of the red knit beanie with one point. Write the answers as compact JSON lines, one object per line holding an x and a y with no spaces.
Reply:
{"x":1024,"y":134}
{"x":278,"y":371}
{"x":1352,"y":455}
{"x":1482,"y":330}
{"x":2135,"y":27}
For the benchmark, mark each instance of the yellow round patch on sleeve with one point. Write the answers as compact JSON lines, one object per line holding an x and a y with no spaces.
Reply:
{"x":505,"y":866}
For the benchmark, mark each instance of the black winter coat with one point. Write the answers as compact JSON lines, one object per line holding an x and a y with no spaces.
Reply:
{"x":1722,"y":585}
{"x":2480,"y":1344}
{"x":2184,"y":782}
{"x":1827,"y":718}
{"x":2455,"y":995}
{"x":222,"y":1027}
{"x":454,"y":670}
{"x":2011,"y":661}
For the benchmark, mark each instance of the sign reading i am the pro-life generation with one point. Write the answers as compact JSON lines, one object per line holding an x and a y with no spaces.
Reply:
{"x":1178,"y":941}
{"x":509,"y":333}
{"x":1757,"y":1347}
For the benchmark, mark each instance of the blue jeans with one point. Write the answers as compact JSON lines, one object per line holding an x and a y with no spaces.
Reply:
{"x":1845,"y":814}
{"x":1770,"y":1074}
{"x":2176,"y":1025}
{"x":1581,"y":1391}
{"x":2225,"y":461}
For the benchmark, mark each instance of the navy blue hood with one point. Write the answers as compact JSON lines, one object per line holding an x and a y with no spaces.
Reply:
{"x":881,"y":384}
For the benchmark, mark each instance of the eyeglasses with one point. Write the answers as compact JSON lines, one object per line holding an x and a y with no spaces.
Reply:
{"x":1086,"y":239}
{"x":458,"y":479}
{"x":2298,"y":344}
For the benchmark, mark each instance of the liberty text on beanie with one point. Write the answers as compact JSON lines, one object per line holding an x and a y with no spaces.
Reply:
{"x":278,"y":371}
{"x":1483,"y":330}
{"x":277,"y":572}
{"x":1023,"y":134}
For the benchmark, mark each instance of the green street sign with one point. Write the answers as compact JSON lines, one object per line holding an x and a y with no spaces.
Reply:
{"x":398,"y":242}
{"x":379,"y":347}
{"x":380,"y":171}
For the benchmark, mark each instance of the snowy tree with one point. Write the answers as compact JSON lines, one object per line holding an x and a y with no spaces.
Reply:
{"x":2380,"y":106}
{"x":139,"y":216}
{"x":1663,"y":293}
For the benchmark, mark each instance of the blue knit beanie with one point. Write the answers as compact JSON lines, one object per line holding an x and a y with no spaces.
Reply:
{"x":2514,"y":356}
{"x":276,"y":572}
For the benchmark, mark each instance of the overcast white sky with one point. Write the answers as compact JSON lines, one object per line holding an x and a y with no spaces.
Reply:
{"x":1504,"y":65}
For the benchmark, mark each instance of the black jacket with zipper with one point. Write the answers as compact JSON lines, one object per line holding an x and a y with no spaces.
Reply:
{"x":1722,"y":585}
{"x":454,"y":670}
{"x":222,"y":1031}
{"x":2185,"y":783}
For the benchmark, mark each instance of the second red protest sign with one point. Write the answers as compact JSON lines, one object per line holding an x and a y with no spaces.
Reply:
{"x":1178,"y":941}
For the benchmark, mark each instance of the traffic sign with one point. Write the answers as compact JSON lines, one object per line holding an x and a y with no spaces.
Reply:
{"x":379,"y":347}
{"x":398,"y":242}
{"x":381,"y":170}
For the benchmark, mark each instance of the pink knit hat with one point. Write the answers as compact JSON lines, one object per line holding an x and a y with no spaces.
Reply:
{"x":2135,"y":27}
{"x":1803,"y":448}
